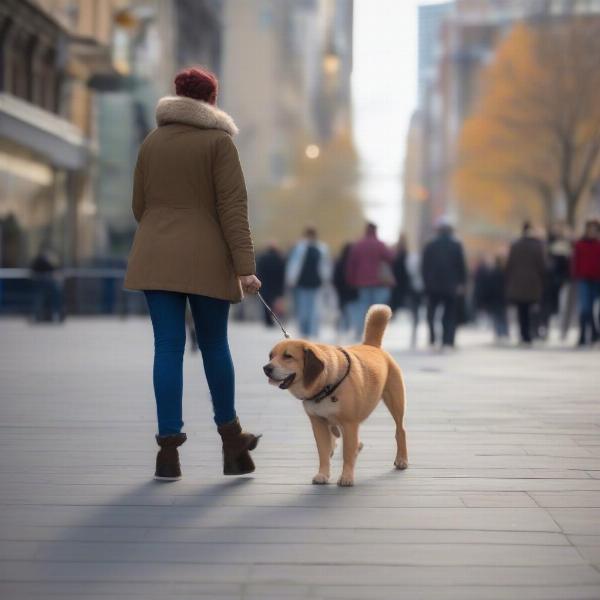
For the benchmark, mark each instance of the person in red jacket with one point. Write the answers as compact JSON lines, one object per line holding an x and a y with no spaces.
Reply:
{"x":586,"y":271}
{"x":369,"y":270}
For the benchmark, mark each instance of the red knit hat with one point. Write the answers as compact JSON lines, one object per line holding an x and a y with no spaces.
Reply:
{"x":197,"y":83}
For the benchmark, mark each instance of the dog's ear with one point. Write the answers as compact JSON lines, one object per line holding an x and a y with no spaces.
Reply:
{"x":313,"y":366}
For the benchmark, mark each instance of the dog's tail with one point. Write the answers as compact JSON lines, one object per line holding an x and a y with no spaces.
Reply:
{"x":376,"y":321}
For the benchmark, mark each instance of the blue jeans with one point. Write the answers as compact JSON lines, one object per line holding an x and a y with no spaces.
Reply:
{"x":588,"y":292}
{"x":367,"y":296}
{"x":306,"y":308}
{"x":500,"y":321}
{"x":167,"y":311}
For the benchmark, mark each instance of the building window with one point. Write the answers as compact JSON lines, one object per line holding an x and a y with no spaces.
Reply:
{"x":48,"y":81}
{"x":17,"y":67}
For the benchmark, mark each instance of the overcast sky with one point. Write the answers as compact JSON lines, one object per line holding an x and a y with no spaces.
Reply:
{"x":384,"y":87}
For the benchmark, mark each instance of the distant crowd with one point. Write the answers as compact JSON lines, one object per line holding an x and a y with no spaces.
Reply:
{"x":543,"y":275}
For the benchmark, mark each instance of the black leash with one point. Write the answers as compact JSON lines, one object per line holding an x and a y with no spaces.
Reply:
{"x":285,"y":333}
{"x":331,"y":387}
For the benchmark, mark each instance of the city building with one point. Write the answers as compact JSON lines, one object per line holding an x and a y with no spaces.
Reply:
{"x":50,"y":52}
{"x":429,"y":21}
{"x":457,"y":40}
{"x":80,"y":81}
{"x":286,"y":80}
{"x":284,"y":68}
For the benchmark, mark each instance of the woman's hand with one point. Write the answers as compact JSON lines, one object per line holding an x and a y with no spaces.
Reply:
{"x":250,"y":283}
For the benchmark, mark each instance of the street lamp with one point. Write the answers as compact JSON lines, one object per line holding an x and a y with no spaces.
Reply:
{"x":312,"y":151}
{"x":331,"y":63}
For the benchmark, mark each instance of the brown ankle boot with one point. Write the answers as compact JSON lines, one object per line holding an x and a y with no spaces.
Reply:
{"x":167,"y":459}
{"x":236,"y":446}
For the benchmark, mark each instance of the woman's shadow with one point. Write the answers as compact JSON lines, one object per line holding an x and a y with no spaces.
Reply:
{"x":158,"y":522}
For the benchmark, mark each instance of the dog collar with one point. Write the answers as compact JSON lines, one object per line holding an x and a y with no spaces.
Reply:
{"x":331,"y":387}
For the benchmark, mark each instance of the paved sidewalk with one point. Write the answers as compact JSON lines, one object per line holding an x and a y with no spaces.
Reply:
{"x":502,"y":498}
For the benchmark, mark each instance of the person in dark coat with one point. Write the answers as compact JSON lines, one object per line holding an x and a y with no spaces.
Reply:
{"x":401,"y":290}
{"x":346,"y":293}
{"x":481,"y":286}
{"x":48,"y":297}
{"x":525,"y":276}
{"x":270,"y":268}
{"x":444,"y":276}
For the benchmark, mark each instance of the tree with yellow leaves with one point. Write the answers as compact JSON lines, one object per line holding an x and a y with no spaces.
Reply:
{"x":535,"y":131}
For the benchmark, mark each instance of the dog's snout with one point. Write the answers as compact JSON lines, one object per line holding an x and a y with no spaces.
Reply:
{"x":268,"y":369}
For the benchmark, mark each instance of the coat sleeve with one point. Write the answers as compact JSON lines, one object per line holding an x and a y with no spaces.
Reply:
{"x":543,"y":262}
{"x":138,"y":202}
{"x":232,"y":206}
{"x":510,"y":264}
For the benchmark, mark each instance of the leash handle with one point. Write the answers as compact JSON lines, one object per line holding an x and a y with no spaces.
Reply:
{"x":285,"y":333}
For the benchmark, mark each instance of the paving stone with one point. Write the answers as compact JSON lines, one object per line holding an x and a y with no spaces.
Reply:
{"x":501,"y":501}
{"x":577,"y":520}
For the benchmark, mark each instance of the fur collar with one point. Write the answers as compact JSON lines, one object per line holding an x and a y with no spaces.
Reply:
{"x":181,"y":109}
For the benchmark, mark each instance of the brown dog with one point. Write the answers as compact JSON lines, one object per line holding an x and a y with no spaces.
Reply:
{"x":340,"y":388}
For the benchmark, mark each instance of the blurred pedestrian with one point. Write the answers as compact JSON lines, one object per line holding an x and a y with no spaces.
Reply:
{"x":369,"y":269}
{"x":270,"y":268}
{"x":481,"y":287}
{"x":498,"y":305}
{"x":525,"y":273}
{"x":47,"y":286}
{"x":193,"y":244}
{"x":408,"y":290}
{"x":347,"y":294}
{"x":401,"y":289}
{"x":415,"y":293}
{"x":444,"y":276}
{"x":489,"y":294}
{"x":559,"y":250}
{"x":308,"y":269}
{"x":586,"y":272}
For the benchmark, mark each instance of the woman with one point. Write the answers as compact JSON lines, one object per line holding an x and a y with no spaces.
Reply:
{"x":193,"y":244}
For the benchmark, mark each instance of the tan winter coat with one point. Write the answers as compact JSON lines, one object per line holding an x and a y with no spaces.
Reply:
{"x":189,"y":198}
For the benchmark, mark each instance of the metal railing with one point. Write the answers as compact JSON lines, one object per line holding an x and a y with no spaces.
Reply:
{"x":80,"y":291}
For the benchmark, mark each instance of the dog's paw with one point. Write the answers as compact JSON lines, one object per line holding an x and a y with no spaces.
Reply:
{"x":320,"y":479}
{"x":400,"y":464}
{"x":345,"y":481}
